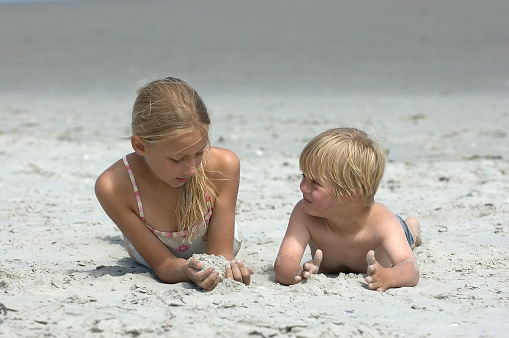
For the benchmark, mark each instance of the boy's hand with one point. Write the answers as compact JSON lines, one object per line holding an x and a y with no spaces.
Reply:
{"x":375,"y":278}
{"x":311,"y":267}
{"x":239,"y":272}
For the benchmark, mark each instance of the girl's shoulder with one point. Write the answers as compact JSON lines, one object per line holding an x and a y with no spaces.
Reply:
{"x":113,"y":181}
{"x":221,"y":160}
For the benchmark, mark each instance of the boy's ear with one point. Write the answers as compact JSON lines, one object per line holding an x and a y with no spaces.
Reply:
{"x":356,"y":196}
{"x":138,"y":145}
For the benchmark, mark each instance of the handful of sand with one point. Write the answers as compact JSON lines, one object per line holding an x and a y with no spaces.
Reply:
{"x":219,"y":263}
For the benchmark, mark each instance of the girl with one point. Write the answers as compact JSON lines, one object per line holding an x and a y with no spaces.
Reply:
{"x":175,"y":195}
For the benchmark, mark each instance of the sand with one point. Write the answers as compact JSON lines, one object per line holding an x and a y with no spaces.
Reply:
{"x":427,"y":78}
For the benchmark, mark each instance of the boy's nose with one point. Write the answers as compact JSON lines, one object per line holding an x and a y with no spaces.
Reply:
{"x":303,"y":186}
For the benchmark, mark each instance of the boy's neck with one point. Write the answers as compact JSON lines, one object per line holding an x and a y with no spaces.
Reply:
{"x":353,"y":221}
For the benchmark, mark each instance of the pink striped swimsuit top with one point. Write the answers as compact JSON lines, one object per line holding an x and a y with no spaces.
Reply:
{"x":173,"y":240}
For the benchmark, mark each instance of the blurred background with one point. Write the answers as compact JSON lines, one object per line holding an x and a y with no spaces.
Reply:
{"x":340,"y":48}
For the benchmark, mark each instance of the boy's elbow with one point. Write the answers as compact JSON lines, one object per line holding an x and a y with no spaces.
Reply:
{"x":415,"y":276}
{"x":283,"y":276}
{"x":283,"y":279}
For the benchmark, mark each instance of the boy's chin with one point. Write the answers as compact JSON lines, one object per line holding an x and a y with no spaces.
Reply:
{"x":308,"y":209}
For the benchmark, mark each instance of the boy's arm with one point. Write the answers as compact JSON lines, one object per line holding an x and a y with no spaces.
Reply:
{"x":406,"y":273}
{"x":287,"y":265}
{"x":404,"y":270}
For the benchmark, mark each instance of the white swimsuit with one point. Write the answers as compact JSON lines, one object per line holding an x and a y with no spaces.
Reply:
{"x":176,"y":241}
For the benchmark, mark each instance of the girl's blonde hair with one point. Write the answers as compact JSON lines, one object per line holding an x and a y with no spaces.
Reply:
{"x":348,"y":157}
{"x":164,"y":109}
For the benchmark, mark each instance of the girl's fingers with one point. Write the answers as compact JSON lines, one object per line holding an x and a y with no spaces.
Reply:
{"x":211,"y":281}
{"x":239,"y":272}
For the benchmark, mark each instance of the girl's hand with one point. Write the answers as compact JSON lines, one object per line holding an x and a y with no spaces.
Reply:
{"x":310,"y":268}
{"x":206,"y":279}
{"x":239,"y":272}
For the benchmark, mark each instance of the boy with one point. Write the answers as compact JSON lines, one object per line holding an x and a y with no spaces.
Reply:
{"x":339,"y":219}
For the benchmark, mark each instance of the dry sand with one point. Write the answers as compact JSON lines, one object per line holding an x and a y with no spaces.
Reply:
{"x":428,"y":78}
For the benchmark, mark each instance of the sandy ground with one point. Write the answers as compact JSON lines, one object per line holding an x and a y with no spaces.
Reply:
{"x":428,"y":78}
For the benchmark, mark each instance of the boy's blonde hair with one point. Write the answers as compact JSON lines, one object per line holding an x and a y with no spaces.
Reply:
{"x":164,"y":109}
{"x":354,"y":162}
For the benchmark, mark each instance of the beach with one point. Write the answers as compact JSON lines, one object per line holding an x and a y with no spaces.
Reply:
{"x":428,"y":79}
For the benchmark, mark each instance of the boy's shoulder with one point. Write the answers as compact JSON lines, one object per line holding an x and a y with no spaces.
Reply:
{"x":300,"y":217}
{"x":381,"y":212}
{"x":382,"y":219}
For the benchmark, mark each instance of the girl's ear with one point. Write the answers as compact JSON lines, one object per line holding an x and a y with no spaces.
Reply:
{"x":138,"y":145}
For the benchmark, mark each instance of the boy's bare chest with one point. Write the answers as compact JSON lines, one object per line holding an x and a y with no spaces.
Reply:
{"x":343,"y":252}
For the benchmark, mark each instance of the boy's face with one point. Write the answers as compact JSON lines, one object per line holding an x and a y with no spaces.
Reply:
{"x":318,"y":196}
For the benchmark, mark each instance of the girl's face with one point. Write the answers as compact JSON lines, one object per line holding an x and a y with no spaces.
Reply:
{"x":318,"y":196}
{"x":175,"y":160}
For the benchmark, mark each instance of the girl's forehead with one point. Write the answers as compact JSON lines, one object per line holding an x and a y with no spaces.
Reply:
{"x":186,"y":141}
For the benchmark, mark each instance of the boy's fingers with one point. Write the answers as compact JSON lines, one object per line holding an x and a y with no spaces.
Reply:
{"x":318,"y":257}
{"x":370,"y":257}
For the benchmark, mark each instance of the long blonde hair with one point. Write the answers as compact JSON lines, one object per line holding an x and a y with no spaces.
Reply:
{"x":348,"y":157}
{"x":163,"y":109}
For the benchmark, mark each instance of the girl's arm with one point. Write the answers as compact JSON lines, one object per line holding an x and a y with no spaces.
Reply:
{"x":222,"y":167}
{"x":113,"y":196}
{"x":287,"y":265}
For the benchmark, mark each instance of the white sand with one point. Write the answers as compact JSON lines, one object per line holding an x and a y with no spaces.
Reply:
{"x":429,"y":80}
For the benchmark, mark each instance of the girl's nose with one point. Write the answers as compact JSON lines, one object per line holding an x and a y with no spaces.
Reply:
{"x":190,"y":168}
